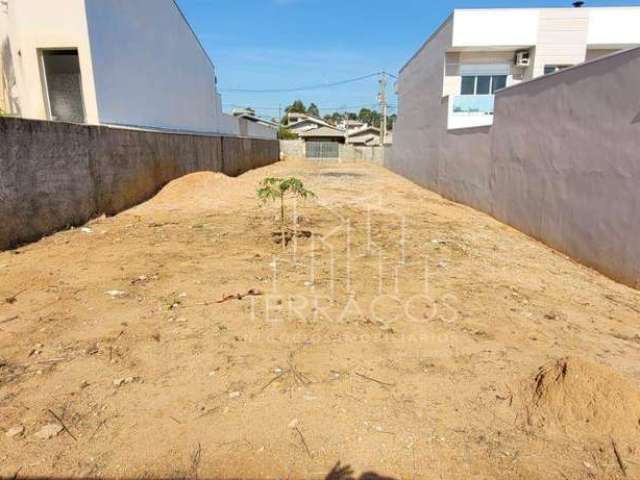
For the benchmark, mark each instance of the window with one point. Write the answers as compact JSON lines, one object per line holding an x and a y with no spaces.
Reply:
{"x":63,"y":85}
{"x":482,"y":84}
{"x":554,"y":68}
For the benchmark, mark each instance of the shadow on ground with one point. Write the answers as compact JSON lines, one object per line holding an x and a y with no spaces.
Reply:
{"x":338,"y":472}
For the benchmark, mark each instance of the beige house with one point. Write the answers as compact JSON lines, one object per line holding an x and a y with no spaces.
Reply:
{"x":476,"y":52}
{"x":126,"y":63}
{"x":306,"y":123}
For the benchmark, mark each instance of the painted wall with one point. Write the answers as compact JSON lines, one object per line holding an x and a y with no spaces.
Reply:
{"x":423,"y":149}
{"x":149,"y":67}
{"x":55,"y":175}
{"x":566,"y":162}
{"x":560,"y":163}
{"x":29,"y":27}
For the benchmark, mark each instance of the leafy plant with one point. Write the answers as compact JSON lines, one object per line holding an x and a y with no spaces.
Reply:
{"x":275,"y":188}
{"x":286,"y":134}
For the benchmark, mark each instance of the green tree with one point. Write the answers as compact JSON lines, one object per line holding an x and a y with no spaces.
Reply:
{"x":286,"y":134}
{"x":391,"y":121}
{"x":296,"y":107}
{"x":365,"y":115}
{"x":313,"y":110}
{"x":336,"y":118}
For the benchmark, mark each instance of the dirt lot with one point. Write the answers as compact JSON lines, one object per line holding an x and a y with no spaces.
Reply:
{"x":407,"y":335}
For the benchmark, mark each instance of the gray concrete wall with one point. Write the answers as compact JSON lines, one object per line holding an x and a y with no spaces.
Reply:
{"x":454,"y":163}
{"x":292,"y":149}
{"x":353,"y":153}
{"x":295,"y":149}
{"x":561,"y":162}
{"x":566,"y":162}
{"x":55,"y":175}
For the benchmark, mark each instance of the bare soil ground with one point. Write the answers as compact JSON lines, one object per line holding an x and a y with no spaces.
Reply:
{"x":406,"y":335}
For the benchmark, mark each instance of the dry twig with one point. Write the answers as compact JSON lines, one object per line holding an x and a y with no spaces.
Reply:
{"x":306,"y":447}
{"x":621,"y":464}
{"x":386,"y":384}
{"x":64,"y":427}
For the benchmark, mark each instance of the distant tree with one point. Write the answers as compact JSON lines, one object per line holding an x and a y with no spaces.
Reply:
{"x":391,"y":121}
{"x":286,"y":134}
{"x":365,"y":115}
{"x":296,"y":107}
{"x":313,"y":110}
{"x":336,"y":118}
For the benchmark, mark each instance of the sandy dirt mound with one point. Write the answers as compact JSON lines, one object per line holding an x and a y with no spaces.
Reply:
{"x":197,"y":189}
{"x":576,"y":396}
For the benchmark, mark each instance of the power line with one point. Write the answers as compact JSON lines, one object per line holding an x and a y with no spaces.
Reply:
{"x":341,"y":107}
{"x":310,"y":87}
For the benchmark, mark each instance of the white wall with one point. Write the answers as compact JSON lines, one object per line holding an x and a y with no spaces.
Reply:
{"x":39,"y":24}
{"x":495,"y":27}
{"x":617,"y":26}
{"x":149,"y":68}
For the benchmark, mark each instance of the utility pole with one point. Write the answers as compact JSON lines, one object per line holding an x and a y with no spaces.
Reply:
{"x":346,"y":126}
{"x":382,"y":100}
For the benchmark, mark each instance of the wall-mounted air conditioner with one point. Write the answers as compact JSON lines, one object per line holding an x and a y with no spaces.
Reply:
{"x":523,"y":58}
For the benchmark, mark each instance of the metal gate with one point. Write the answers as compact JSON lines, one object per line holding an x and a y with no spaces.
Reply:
{"x":321,"y":150}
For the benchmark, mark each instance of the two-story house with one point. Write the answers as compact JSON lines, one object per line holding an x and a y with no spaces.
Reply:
{"x":476,"y":52}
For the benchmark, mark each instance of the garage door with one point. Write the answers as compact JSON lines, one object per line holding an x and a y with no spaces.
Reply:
{"x":320,"y":150}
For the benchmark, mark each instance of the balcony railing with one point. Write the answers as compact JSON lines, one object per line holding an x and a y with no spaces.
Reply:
{"x":469,"y":105}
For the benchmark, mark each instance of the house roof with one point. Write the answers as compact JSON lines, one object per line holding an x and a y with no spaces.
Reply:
{"x":364,"y":130}
{"x":316,"y":121}
{"x":253,"y":118}
{"x":326,"y":132}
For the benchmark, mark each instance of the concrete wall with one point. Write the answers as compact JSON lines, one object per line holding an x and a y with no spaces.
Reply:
{"x":55,"y":175}
{"x":149,"y":68}
{"x":374,"y":154}
{"x":292,"y":149}
{"x":378,"y":155}
{"x":561,"y":161}
{"x":566,"y":162}
{"x":456,"y":162}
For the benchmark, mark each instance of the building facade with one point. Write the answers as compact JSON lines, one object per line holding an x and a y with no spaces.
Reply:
{"x":134,"y":63}
{"x":477,"y":52}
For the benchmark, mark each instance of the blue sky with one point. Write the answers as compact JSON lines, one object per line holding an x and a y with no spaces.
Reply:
{"x":280,"y":44}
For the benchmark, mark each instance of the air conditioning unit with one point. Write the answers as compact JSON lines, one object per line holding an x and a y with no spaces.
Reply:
{"x":523,"y":58}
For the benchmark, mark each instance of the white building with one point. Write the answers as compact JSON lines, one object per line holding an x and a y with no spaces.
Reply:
{"x":306,"y":123}
{"x":128,"y":63}
{"x":476,"y":52}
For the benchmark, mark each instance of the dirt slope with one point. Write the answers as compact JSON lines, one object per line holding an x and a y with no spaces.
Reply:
{"x":408,"y":336}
